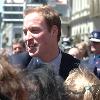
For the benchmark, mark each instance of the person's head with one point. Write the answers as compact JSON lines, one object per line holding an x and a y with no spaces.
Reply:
{"x":18,"y":46}
{"x":42,"y":30}
{"x":95,"y":42}
{"x":11,"y":86}
{"x":82,"y":84}
{"x":82,"y":46}
{"x":75,"y":52}
{"x":44,"y":84}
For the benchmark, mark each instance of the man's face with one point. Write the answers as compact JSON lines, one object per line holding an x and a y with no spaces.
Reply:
{"x":38,"y":39}
{"x":95,"y":47}
{"x":17,"y":48}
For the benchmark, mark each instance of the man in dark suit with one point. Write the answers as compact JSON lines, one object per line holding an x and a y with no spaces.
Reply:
{"x":42,"y":31}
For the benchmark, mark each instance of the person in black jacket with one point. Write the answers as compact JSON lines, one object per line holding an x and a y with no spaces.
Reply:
{"x":42,"y":31}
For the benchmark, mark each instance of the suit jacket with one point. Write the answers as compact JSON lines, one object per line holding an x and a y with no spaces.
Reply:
{"x":68,"y":63}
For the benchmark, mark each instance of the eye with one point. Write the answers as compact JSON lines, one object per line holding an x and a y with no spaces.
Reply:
{"x":25,"y":31}
{"x":33,"y":30}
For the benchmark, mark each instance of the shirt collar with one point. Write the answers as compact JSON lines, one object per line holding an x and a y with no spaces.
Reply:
{"x":56,"y":63}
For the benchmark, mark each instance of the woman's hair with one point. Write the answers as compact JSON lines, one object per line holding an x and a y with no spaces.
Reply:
{"x":43,"y":84}
{"x":84,"y":49}
{"x":82,"y":84}
{"x":11,"y":86}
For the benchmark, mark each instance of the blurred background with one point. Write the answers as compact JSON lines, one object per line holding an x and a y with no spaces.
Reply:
{"x":78,"y":18}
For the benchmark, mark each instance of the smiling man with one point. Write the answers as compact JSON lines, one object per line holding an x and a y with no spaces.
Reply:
{"x":42,"y":31}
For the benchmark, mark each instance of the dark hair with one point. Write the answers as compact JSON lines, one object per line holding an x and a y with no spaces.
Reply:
{"x":20,"y":41}
{"x":44,"y":84}
{"x":4,"y":97}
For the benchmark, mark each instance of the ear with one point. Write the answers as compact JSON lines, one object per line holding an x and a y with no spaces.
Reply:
{"x":54,"y":30}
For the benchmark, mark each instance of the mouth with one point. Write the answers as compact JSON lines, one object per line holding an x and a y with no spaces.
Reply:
{"x":33,"y":47}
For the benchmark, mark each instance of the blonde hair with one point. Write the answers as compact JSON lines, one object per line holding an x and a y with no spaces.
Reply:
{"x":83,"y":47}
{"x":82,"y":84}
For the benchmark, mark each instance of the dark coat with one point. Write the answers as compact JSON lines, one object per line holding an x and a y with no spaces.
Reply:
{"x":20,"y":60}
{"x":67,"y":64}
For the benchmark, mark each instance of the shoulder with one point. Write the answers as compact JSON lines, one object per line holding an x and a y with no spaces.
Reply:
{"x":25,"y":55}
{"x":68,"y":63}
{"x":21,"y":58}
{"x":69,"y":58}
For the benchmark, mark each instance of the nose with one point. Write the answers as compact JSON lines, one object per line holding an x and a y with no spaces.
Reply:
{"x":29,"y":38}
{"x":18,"y":49}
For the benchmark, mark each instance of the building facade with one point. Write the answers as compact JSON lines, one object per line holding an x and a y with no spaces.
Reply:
{"x":85,"y":17}
{"x":12,"y":19}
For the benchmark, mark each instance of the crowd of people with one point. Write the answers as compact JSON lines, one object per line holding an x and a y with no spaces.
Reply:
{"x":38,"y":70}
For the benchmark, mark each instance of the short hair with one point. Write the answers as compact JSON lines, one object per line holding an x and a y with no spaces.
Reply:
{"x":50,"y":15}
{"x":81,"y":84}
{"x":20,"y":41}
{"x":43,"y":84}
{"x":11,"y":86}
